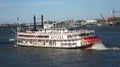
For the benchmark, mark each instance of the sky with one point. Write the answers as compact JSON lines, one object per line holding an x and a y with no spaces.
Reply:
{"x":57,"y":10}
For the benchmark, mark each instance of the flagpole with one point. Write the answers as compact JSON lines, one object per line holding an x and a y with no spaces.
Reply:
{"x":17,"y":27}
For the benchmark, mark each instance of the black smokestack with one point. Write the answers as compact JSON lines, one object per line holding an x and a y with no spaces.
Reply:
{"x":35,"y":29}
{"x":42,"y":23}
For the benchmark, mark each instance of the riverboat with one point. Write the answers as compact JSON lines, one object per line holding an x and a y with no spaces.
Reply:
{"x":57,"y":37}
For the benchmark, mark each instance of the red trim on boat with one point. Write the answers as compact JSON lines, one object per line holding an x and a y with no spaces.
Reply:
{"x":92,"y":40}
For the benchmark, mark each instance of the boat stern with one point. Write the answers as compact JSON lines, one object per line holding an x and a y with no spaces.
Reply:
{"x":89,"y":41}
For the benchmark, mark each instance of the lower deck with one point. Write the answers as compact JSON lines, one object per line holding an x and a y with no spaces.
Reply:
{"x":50,"y":43}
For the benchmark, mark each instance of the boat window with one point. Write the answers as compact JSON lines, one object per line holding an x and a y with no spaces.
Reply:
{"x":33,"y":36}
{"x":82,"y":34}
{"x":87,"y":34}
{"x":26,"y":35}
{"x":92,"y":33}
{"x":43,"y":36}
{"x":68,"y":44}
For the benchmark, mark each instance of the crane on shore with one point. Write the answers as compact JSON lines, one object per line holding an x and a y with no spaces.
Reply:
{"x":102,"y":16}
{"x":113,"y":12}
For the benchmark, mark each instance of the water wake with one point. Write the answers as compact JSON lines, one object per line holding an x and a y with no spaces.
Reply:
{"x":100,"y":46}
{"x":114,"y":48}
{"x":11,"y":39}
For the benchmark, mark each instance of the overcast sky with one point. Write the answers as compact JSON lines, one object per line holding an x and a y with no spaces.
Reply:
{"x":56,"y":9}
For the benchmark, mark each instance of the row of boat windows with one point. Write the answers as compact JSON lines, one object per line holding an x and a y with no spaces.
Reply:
{"x":68,"y":43}
{"x":50,"y":42}
{"x":47,"y":40}
{"x":82,"y":34}
{"x":85,"y":34}
{"x":34,"y":36}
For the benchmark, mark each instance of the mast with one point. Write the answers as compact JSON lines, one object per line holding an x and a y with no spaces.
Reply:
{"x":17,"y":29}
{"x":18,"y":24}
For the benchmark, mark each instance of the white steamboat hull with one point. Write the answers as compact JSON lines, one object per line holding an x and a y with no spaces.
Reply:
{"x":66,"y":47}
{"x":74,"y":43}
{"x":51,"y":44}
{"x":77,"y":44}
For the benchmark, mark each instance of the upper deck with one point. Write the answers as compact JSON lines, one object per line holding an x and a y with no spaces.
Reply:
{"x":57,"y":31}
{"x":54,"y":34}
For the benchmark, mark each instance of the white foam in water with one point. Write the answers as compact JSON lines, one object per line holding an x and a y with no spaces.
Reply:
{"x":11,"y":39}
{"x":114,"y":48}
{"x":99,"y":46}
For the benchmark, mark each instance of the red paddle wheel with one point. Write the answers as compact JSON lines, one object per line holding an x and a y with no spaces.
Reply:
{"x":91,"y":40}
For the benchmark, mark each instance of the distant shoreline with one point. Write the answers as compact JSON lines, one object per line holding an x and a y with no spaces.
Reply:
{"x":10,"y":25}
